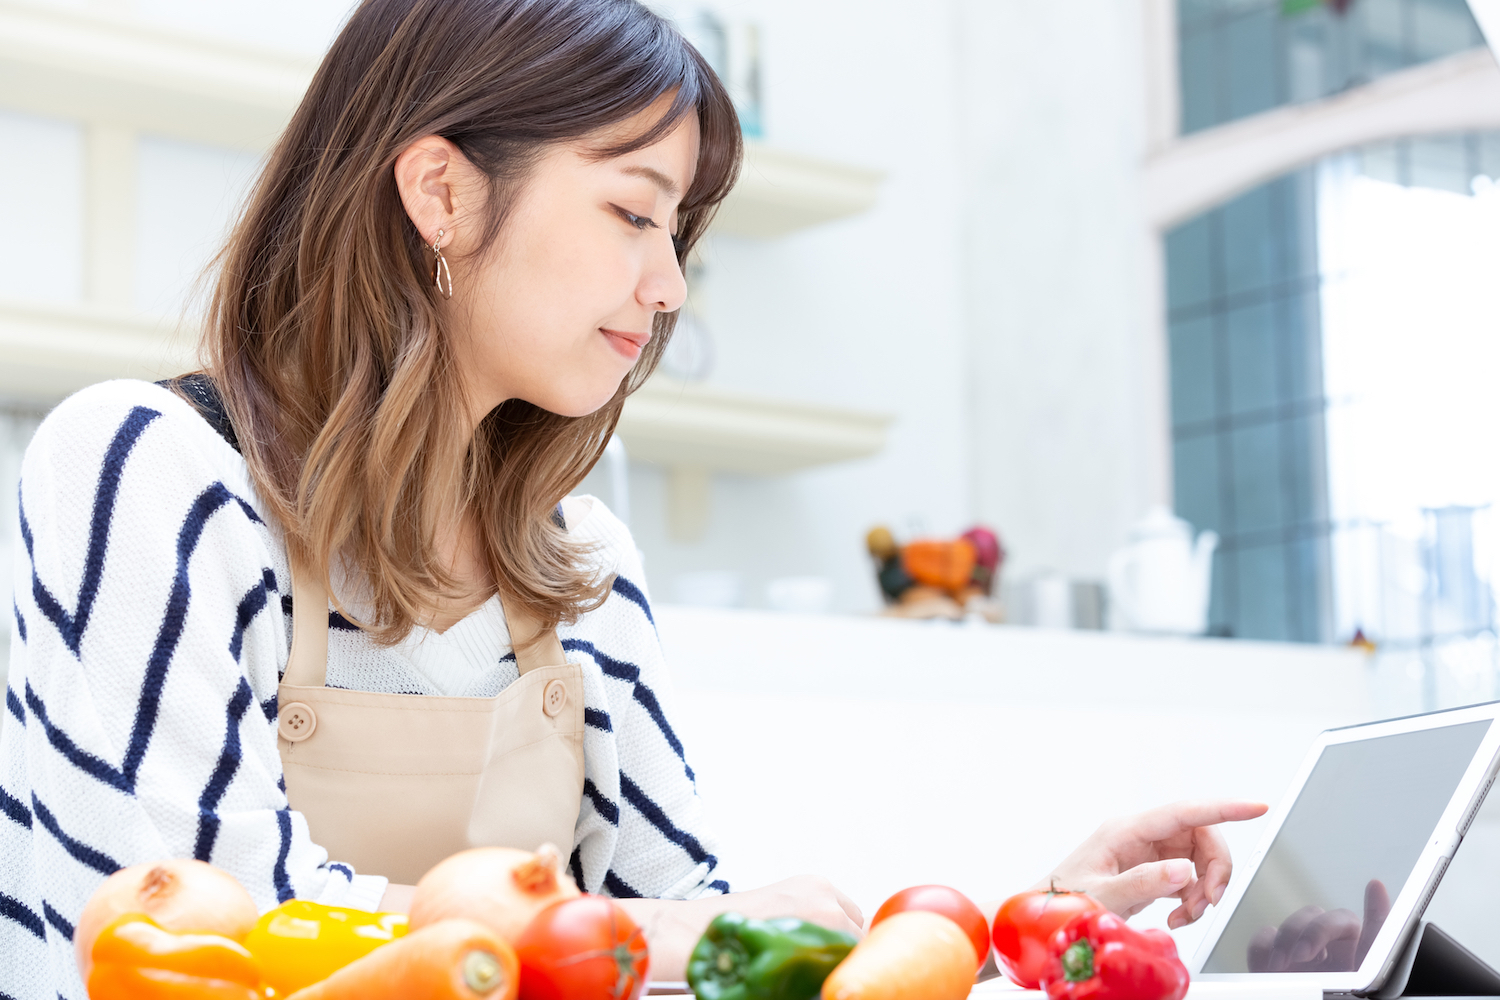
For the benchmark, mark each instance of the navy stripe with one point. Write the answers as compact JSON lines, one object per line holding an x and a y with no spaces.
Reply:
{"x":81,"y":852}
{"x":620,"y":670}
{"x":268,"y":708}
{"x":79,"y":758}
{"x":173,"y":621}
{"x":647,"y":699}
{"x":618,"y":888}
{"x":286,"y":604}
{"x":57,"y":920}
{"x":343,"y":870}
{"x":658,"y":818}
{"x":14,"y":704}
{"x":218,"y":782}
{"x":602,"y":805}
{"x":598,"y":719}
{"x":575,"y":865}
{"x":633,"y":594}
{"x":21,"y":914}
{"x":278,"y":875}
{"x":20,"y":621}
{"x":15,"y":809}
{"x":254,"y":518}
{"x":720,"y":885}
{"x":72,"y":626}
{"x":252,"y":604}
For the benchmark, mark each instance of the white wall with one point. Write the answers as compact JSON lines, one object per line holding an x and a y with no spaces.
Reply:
{"x":1070,"y":428}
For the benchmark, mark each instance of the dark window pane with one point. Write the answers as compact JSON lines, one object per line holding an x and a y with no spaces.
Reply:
{"x":1304,"y":472}
{"x":1192,"y":371}
{"x":1200,"y":79}
{"x":1307,"y":589}
{"x":1189,"y":264}
{"x":1251,"y":341}
{"x":1255,"y":453}
{"x":1249,"y":242}
{"x":1221,"y":597}
{"x":1441,"y":27}
{"x":1262,"y":603}
{"x":1195,"y":463}
{"x":1253,"y":62}
{"x":1301,"y":348}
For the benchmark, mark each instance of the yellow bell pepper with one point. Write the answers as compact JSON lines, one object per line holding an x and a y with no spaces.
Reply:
{"x":300,"y":943}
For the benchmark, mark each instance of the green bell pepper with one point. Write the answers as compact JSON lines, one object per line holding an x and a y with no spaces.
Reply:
{"x":743,"y":959}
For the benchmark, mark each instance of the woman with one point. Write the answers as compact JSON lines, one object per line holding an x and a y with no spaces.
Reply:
{"x":318,"y":615}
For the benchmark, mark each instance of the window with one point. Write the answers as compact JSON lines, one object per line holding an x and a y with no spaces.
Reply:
{"x":1240,"y":57}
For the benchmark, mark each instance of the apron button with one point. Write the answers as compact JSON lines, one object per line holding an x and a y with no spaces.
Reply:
{"x":296,"y":722}
{"x":554,"y":697}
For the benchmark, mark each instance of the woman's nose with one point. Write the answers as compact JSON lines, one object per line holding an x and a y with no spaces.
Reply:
{"x":663,"y":287}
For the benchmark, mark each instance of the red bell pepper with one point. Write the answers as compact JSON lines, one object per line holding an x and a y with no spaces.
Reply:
{"x":1098,"y":956}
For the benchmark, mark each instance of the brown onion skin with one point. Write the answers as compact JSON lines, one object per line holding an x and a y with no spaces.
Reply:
{"x":479,"y":884}
{"x":179,"y":894}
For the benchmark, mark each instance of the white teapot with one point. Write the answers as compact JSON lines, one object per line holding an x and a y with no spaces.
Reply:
{"x":1160,"y":581}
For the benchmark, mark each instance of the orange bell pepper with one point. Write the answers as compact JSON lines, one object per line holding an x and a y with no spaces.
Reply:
{"x":945,"y":565}
{"x":135,"y":959}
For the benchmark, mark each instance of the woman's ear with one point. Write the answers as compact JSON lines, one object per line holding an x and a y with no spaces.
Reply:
{"x":430,"y":175}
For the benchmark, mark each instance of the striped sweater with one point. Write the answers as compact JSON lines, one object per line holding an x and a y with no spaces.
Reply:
{"x":152,"y":621}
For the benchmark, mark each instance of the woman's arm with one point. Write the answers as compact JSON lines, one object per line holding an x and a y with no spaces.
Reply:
{"x":673,"y":926}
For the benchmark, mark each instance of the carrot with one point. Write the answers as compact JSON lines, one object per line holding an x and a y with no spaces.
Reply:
{"x":915,"y":955}
{"x":454,"y":959}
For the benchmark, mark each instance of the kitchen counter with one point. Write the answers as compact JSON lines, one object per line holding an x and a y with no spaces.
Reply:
{"x":883,"y":753}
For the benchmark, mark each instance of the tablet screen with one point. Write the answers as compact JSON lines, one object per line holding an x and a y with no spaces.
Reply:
{"x":1346,"y":849}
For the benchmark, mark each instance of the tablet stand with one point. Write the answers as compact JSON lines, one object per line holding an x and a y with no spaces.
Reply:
{"x":1435,"y":965}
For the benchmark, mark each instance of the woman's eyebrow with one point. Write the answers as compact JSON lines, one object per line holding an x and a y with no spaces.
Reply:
{"x":661,"y":180}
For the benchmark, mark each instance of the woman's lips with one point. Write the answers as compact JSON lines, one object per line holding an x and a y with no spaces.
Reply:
{"x":628,"y":344}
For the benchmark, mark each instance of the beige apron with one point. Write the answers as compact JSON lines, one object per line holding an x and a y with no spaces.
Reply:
{"x":395,"y":783}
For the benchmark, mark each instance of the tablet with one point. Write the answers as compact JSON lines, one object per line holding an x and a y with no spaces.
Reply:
{"x":1351,"y":856}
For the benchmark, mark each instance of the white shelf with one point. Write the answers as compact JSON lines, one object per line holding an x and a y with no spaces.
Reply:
{"x":48,"y":351}
{"x":94,"y":68}
{"x":680,"y":424}
{"x":780,"y":192}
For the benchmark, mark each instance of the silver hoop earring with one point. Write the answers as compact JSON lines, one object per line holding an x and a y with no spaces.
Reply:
{"x":440,"y":272}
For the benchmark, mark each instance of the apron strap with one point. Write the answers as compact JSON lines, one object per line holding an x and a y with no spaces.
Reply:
{"x":307,"y":665}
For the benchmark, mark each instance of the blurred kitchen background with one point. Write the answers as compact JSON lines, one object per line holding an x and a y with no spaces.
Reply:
{"x":1193,"y":302}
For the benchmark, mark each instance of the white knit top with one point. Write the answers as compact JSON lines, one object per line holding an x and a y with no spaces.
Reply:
{"x":151,"y":626}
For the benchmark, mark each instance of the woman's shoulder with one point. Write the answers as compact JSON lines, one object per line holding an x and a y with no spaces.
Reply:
{"x":122,"y":417}
{"x":611,"y":546}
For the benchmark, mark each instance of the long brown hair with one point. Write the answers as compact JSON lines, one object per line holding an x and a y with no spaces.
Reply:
{"x":324,"y":333}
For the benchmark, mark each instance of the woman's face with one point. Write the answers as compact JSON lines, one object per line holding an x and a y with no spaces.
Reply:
{"x":560,"y":309}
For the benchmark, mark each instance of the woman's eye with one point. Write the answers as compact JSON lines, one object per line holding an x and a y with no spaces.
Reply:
{"x":638,"y":221}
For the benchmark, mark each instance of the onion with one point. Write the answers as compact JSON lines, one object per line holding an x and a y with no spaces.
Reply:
{"x":180,"y":895}
{"x":500,"y":887}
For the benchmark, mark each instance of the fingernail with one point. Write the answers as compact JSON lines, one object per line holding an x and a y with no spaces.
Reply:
{"x":1303,"y":952}
{"x":1198,"y":910}
{"x":1219,"y":894}
{"x":1179,"y":872}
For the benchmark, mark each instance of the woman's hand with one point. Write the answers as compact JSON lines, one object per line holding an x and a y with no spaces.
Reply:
{"x":1171,"y":851}
{"x":673,"y":927}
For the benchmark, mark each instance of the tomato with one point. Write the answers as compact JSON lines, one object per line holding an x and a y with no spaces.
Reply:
{"x":1024,"y":926}
{"x":945,"y":902}
{"x":582,"y":948}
